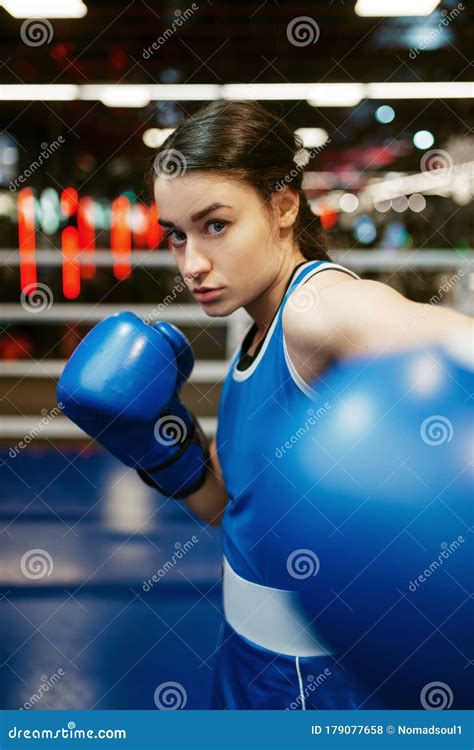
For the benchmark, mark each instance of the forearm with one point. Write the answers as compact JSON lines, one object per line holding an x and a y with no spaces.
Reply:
{"x":210,"y":500}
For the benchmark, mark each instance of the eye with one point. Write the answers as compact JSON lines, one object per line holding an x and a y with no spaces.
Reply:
{"x":177,"y":238}
{"x":220,"y":222}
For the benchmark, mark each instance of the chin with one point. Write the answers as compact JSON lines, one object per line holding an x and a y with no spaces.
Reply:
{"x":221,"y":310}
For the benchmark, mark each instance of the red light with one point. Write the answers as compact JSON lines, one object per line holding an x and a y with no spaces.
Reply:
{"x":86,"y":229}
{"x":71,"y":269}
{"x":155,"y":232}
{"x":140,"y":225}
{"x":328,"y":218}
{"x":120,"y":237}
{"x":69,"y":201}
{"x":26,"y":239}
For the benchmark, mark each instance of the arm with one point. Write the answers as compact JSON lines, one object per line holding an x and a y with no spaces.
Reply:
{"x":359,"y":317}
{"x":210,"y":500}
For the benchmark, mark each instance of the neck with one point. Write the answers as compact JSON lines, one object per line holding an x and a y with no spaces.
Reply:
{"x":262,"y":309}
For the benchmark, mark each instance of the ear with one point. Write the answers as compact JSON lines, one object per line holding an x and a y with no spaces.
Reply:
{"x":286,"y":203}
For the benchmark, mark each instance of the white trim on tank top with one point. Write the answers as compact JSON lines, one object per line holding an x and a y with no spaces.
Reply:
{"x":240,"y":375}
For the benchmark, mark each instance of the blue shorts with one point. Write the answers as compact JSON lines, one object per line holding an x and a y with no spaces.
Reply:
{"x":247,"y":676}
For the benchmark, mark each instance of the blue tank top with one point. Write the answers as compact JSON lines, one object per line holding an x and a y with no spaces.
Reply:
{"x":252,"y":402}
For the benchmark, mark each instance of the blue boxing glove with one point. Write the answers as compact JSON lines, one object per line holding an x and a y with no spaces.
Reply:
{"x":121,"y":386}
{"x":386,"y":480}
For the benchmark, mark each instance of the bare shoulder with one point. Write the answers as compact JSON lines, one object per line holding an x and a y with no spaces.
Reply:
{"x":311,"y":321}
{"x":356,"y":316}
{"x":312,"y":306}
{"x":322,"y":323}
{"x":333,"y":298}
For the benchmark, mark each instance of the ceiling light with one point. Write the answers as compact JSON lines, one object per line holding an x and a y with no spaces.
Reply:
{"x":384,"y":114}
{"x":45,"y":8}
{"x":421,"y":90}
{"x":423,"y":139}
{"x":38,"y":92}
{"x":125,"y":96}
{"x":336,"y":94}
{"x":395,"y":7}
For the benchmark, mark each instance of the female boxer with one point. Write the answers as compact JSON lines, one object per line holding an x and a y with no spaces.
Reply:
{"x":228,"y":186}
{"x":229,"y":194}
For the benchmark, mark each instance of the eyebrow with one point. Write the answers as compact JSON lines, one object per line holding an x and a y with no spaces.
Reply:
{"x":197,"y":216}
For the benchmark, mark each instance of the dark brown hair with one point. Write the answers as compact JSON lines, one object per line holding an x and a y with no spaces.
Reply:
{"x":245,"y":141}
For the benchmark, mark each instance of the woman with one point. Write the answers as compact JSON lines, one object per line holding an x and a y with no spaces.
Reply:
{"x":229,"y":194}
{"x":228,"y":190}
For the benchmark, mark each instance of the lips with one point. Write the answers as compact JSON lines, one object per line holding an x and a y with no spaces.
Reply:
{"x":209,"y":295}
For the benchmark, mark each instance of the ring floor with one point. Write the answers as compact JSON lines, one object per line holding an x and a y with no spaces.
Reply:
{"x":109,"y":592}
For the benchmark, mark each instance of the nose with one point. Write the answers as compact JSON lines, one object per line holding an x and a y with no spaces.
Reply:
{"x":195,"y":262}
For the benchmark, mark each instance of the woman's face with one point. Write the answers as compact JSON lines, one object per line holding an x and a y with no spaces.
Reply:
{"x":220,"y":233}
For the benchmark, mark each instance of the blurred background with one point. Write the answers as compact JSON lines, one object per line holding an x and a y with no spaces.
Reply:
{"x":110,"y":593}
